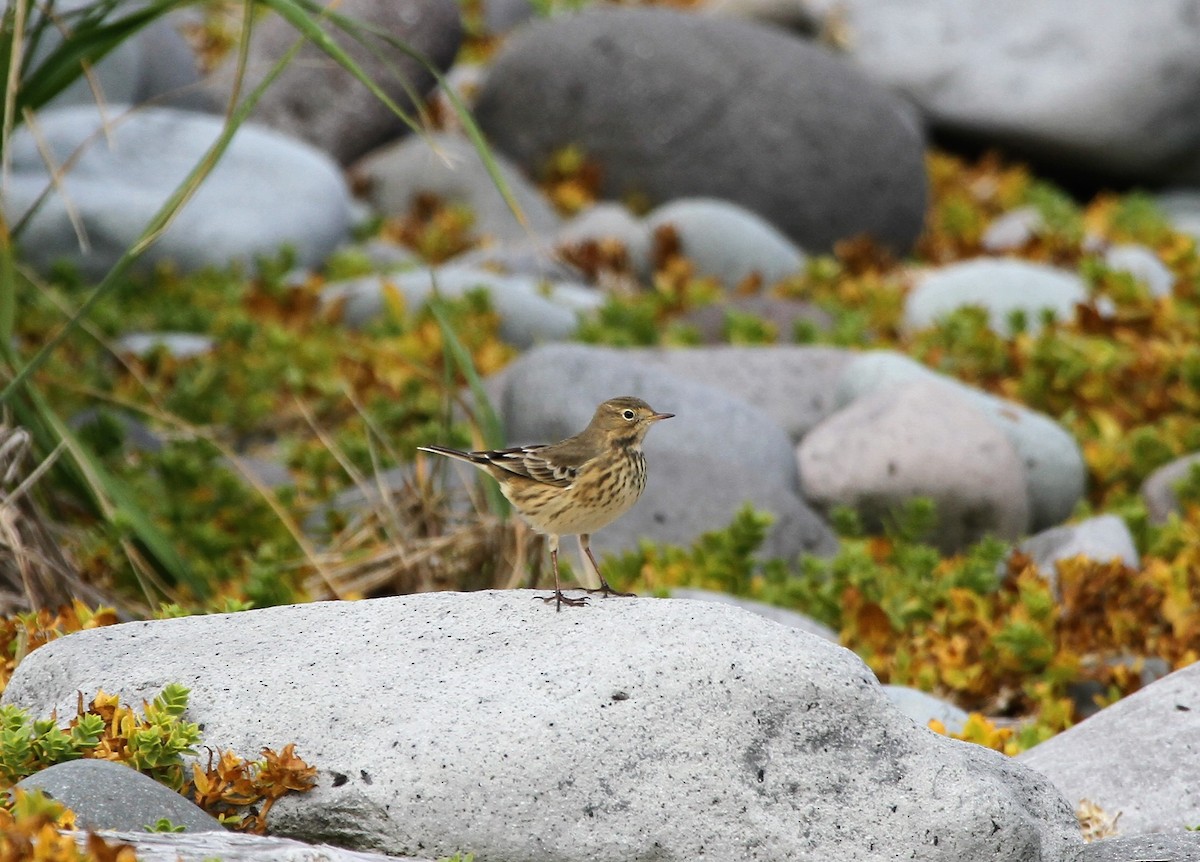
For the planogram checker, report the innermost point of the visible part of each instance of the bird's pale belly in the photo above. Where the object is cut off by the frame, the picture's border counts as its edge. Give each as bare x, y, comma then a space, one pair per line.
592, 502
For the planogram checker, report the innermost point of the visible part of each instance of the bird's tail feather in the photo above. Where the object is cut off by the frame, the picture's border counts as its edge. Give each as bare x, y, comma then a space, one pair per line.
469, 457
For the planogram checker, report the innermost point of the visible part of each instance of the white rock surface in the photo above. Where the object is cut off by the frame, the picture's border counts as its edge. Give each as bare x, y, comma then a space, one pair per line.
1136, 757
232, 847
770, 612
629, 729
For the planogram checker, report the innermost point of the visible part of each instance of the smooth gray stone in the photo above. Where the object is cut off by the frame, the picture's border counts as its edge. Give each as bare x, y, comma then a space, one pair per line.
922, 707
500, 16
1181, 206
920, 439
1000, 286
1134, 757
712, 321
487, 723
449, 167
533, 260
1158, 491
1103, 539
1144, 265
115, 76
727, 241
106, 795
610, 221
267, 191
1100, 86
1013, 229
181, 345
671, 105
1054, 469
316, 100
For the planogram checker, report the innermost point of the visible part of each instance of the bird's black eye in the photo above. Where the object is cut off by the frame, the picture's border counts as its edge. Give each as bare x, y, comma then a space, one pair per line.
628, 414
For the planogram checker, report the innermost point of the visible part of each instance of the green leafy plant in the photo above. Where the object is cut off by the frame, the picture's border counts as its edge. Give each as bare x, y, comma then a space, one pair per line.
81, 37
156, 744
164, 824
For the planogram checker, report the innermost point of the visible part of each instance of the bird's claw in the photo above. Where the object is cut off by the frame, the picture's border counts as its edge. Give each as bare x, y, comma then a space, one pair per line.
560, 599
609, 591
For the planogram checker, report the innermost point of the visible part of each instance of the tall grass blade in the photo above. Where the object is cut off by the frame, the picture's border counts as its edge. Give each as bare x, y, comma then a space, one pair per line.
489, 423
110, 497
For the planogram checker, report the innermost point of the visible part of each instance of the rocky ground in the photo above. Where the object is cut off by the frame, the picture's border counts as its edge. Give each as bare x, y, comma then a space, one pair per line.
761, 134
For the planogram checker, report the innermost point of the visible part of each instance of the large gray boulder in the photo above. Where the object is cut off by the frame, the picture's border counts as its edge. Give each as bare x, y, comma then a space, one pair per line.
267, 191
675, 105
487, 723
1101, 85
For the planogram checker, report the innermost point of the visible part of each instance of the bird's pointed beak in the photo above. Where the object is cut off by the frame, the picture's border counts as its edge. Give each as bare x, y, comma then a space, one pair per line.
658, 417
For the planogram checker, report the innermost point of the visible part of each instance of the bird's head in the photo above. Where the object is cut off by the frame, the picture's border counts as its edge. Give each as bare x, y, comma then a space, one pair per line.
625, 417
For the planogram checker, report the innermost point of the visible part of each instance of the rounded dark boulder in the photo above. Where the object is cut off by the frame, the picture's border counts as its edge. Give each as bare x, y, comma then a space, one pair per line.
670, 104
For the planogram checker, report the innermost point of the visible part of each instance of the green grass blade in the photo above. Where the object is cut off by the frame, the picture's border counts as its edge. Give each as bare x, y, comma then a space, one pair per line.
88, 42
110, 497
305, 22
489, 423
301, 14
157, 224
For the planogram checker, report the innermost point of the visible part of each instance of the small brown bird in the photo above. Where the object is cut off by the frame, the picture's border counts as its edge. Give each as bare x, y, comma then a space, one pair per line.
577, 486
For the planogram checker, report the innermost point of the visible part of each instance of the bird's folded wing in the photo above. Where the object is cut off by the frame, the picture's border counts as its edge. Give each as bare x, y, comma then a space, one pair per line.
534, 462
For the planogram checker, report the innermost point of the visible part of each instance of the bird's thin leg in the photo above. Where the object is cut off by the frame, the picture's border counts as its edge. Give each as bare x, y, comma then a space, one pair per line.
558, 598
585, 546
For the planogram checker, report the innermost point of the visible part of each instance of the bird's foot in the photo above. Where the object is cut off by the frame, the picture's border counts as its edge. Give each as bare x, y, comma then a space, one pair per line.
609, 591
560, 600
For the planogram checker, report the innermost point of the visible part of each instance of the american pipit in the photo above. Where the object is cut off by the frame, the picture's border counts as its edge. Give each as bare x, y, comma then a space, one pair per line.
578, 485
